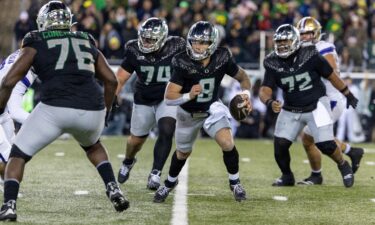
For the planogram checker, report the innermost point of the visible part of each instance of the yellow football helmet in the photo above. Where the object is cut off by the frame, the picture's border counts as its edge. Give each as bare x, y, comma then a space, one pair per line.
309, 24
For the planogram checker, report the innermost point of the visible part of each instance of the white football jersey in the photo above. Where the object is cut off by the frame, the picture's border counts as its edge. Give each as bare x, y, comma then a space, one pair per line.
14, 105
325, 48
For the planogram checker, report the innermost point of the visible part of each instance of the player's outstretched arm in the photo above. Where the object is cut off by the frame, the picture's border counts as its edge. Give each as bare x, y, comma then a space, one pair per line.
122, 77
173, 96
245, 83
106, 75
18, 70
340, 85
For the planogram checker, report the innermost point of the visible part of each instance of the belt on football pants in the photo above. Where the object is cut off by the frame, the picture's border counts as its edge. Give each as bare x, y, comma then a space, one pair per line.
304, 109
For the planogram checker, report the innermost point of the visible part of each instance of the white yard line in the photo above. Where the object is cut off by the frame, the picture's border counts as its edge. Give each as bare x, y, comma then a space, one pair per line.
180, 210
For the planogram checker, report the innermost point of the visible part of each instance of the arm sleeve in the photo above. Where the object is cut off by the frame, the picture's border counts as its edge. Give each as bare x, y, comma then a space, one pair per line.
323, 67
14, 104
231, 67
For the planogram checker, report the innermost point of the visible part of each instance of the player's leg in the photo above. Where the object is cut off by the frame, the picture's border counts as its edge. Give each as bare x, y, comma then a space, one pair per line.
324, 139
166, 117
338, 105
86, 129
4, 151
355, 154
143, 119
288, 125
187, 130
26, 145
314, 157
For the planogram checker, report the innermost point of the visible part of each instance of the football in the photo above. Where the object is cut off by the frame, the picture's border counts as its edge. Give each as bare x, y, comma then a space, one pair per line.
237, 108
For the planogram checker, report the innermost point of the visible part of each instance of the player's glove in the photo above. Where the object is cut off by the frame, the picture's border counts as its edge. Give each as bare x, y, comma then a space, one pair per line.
351, 100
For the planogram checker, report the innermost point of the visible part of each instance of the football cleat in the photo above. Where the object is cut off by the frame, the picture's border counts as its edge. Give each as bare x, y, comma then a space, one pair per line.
312, 180
284, 180
123, 173
347, 174
239, 192
355, 155
116, 196
8, 211
153, 181
163, 191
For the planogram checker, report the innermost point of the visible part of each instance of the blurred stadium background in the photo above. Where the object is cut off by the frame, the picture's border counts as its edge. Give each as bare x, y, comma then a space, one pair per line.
246, 27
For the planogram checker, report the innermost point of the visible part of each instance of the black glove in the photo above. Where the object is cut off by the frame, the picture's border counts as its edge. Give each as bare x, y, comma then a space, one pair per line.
351, 100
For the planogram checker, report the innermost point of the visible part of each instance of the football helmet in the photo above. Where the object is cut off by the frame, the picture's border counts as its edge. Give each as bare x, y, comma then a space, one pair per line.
54, 15
203, 32
286, 40
309, 24
152, 35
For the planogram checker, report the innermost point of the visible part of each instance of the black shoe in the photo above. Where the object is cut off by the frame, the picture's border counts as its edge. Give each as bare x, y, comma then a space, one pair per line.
163, 191
356, 155
312, 180
153, 181
116, 196
347, 174
239, 192
8, 211
123, 173
284, 180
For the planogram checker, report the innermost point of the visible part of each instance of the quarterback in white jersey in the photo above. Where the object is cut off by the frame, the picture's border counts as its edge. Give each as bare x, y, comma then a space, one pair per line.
14, 110
310, 31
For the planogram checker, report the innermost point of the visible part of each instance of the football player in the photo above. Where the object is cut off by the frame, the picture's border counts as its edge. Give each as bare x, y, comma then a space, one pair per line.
297, 71
197, 74
310, 31
13, 110
67, 63
149, 56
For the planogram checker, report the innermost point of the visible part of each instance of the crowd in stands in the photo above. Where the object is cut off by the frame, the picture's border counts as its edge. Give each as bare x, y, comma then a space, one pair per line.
350, 24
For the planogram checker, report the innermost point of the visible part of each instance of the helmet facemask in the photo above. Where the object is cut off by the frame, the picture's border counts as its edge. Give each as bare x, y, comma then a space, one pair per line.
152, 35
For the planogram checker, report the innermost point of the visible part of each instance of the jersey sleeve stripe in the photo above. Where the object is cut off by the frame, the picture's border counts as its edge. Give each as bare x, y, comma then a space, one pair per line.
326, 50
26, 82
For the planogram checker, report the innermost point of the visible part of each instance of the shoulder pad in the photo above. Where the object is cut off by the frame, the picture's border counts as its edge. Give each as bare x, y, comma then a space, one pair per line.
131, 45
177, 41
306, 53
325, 47
92, 40
223, 54
181, 60
31, 37
270, 61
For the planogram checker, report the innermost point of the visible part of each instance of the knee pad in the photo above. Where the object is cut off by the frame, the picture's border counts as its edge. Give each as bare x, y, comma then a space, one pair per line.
86, 149
15, 152
281, 146
327, 147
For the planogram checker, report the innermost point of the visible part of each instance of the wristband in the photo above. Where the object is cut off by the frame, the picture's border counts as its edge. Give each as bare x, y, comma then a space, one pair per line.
186, 97
269, 102
344, 89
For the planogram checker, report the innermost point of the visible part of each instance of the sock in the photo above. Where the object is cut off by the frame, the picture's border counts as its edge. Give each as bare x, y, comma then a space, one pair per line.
106, 172
316, 173
234, 179
347, 149
128, 161
11, 188
282, 155
231, 160
176, 165
163, 145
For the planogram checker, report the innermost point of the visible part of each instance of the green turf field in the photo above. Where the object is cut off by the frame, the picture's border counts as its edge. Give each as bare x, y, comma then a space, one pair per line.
50, 182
